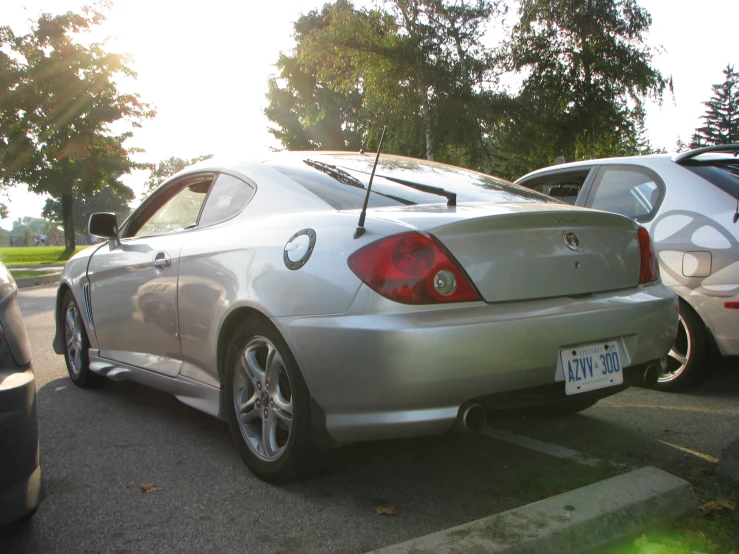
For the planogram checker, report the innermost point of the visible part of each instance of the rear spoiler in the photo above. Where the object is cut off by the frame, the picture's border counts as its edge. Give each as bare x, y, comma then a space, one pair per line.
727, 148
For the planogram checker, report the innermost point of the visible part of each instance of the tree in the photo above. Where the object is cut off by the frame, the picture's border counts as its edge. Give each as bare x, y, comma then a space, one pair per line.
167, 168
417, 67
66, 101
721, 120
105, 200
586, 71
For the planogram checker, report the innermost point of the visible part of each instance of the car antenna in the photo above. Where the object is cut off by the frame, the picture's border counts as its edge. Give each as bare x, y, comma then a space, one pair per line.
360, 226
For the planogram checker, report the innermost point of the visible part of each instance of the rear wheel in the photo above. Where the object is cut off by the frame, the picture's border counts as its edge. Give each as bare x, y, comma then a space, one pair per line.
687, 362
76, 343
267, 403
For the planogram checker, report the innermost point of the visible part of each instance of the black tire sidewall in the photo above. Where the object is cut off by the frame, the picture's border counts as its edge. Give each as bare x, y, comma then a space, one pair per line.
299, 446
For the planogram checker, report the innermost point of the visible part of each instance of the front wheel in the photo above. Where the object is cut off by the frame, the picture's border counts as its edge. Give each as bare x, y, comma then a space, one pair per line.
687, 362
76, 343
267, 403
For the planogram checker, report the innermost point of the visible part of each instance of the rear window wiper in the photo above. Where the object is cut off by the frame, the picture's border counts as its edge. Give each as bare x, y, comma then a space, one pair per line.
450, 196
344, 177
336, 173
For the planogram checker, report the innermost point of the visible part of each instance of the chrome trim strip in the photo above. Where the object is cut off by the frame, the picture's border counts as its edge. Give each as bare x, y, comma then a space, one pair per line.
87, 301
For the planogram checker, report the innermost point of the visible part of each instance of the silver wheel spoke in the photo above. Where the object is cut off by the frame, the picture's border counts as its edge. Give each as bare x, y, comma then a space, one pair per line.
269, 436
281, 405
678, 356
251, 368
249, 404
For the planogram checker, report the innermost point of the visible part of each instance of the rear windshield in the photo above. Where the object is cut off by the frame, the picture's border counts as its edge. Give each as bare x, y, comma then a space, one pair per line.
469, 186
722, 173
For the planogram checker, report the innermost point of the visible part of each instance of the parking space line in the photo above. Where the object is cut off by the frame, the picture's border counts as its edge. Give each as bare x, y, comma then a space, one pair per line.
540, 446
696, 453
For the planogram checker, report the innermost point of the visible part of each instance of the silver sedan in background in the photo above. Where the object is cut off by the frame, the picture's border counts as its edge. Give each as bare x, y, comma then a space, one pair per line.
261, 293
690, 204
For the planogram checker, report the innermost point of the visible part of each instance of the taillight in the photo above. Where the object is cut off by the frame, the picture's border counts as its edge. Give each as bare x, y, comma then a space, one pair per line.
412, 268
649, 269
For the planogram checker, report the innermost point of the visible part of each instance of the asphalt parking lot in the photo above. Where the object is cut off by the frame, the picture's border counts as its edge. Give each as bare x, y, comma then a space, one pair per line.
99, 446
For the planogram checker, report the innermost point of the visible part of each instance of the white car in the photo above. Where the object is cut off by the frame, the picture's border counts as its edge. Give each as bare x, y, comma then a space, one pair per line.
690, 204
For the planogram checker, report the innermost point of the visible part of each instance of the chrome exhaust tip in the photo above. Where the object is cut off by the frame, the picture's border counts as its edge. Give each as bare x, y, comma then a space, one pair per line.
651, 374
473, 418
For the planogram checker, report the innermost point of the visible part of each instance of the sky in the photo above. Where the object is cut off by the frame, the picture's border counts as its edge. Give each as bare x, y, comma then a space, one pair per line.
204, 67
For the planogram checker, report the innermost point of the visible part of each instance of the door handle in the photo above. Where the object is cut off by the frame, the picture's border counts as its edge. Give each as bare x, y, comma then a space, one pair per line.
162, 260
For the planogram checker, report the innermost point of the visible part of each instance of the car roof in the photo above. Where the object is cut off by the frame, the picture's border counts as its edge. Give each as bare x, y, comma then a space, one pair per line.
708, 154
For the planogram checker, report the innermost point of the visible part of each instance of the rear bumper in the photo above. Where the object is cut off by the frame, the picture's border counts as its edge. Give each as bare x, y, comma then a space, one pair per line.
722, 322
384, 370
20, 475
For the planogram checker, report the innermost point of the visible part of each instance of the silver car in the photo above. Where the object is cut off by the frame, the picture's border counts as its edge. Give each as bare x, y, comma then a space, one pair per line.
263, 294
690, 204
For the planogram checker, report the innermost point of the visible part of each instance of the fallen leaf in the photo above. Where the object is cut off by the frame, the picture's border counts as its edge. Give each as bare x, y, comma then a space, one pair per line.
725, 503
386, 510
710, 472
709, 508
150, 487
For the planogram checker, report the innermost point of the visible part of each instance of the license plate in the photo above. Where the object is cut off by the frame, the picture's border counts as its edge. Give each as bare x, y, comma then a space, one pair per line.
591, 366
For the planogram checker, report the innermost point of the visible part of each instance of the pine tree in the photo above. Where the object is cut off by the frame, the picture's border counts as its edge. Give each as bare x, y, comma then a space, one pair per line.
721, 120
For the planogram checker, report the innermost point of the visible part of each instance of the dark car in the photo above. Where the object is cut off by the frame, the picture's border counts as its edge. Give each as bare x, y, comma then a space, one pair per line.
20, 473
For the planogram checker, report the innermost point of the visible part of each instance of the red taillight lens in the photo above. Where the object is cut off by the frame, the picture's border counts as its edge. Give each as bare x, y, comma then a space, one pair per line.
649, 270
412, 268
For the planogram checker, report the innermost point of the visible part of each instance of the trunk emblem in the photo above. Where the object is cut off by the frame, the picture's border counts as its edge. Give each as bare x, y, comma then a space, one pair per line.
571, 240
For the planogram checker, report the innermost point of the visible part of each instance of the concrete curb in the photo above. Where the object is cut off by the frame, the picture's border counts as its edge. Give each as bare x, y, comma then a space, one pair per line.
728, 464
25, 282
582, 520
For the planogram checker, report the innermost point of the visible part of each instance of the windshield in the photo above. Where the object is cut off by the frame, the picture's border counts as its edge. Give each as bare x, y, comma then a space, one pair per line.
469, 186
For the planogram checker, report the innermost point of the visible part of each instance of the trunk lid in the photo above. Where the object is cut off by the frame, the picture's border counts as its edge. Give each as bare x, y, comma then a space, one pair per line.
526, 251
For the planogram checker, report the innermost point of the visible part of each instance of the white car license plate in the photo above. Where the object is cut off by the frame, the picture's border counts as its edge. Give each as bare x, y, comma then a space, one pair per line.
591, 366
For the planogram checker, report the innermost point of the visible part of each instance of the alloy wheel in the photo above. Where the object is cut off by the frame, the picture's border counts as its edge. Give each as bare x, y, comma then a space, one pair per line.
262, 397
679, 356
73, 338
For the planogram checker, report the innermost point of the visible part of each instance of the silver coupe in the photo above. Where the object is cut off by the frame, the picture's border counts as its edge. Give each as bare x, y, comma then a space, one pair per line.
282, 297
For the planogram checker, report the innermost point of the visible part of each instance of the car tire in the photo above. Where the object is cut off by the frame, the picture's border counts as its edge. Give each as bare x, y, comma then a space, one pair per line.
687, 362
267, 404
565, 407
76, 344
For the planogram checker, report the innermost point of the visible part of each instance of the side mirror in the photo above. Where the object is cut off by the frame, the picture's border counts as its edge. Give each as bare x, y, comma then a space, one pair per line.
103, 225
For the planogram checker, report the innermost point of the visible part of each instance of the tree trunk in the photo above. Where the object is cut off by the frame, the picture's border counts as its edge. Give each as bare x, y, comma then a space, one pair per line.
68, 221
428, 126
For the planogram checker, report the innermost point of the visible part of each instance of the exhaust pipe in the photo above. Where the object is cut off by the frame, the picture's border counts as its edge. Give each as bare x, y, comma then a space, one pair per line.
651, 374
473, 418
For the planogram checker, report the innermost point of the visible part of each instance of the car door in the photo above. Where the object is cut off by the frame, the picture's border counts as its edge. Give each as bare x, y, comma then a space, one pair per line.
134, 283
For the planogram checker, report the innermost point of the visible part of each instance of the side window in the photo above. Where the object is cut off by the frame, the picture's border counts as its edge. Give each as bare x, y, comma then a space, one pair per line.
562, 185
228, 196
631, 191
175, 208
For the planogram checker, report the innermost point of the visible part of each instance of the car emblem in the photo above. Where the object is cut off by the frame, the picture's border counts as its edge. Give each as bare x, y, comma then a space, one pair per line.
571, 240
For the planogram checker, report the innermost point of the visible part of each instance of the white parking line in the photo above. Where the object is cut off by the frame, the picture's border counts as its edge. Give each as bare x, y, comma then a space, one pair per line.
540, 446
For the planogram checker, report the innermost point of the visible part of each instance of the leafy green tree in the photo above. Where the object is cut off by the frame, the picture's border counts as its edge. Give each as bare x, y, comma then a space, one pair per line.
721, 120
586, 71
66, 101
168, 167
105, 200
416, 66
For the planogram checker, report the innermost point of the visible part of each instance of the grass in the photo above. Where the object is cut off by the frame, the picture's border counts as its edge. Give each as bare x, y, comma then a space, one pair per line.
716, 532
36, 255
20, 274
